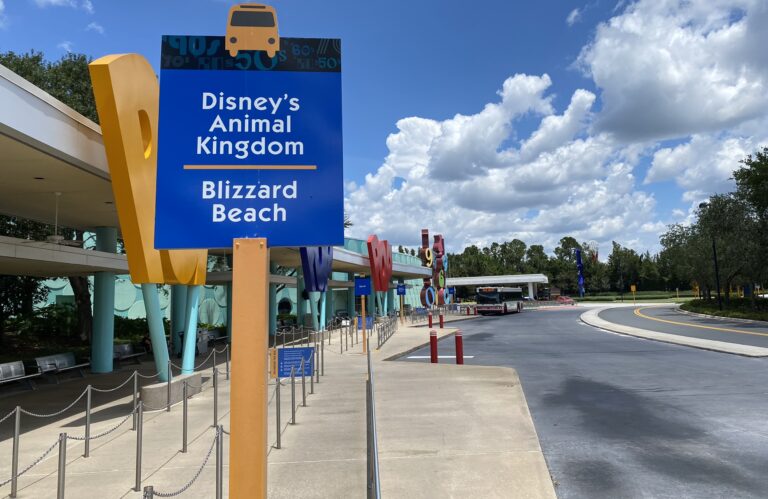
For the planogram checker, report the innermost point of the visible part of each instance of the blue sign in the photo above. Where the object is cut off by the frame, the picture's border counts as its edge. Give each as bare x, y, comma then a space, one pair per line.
452, 291
249, 146
368, 322
362, 286
288, 358
401, 289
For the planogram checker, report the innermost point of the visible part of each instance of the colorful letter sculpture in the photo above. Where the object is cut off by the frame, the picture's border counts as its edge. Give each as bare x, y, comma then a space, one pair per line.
434, 291
380, 256
316, 262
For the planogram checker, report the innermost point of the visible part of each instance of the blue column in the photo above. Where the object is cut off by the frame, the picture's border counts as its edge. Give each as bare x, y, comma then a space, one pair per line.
314, 296
299, 299
272, 302
103, 338
229, 312
156, 331
190, 330
178, 313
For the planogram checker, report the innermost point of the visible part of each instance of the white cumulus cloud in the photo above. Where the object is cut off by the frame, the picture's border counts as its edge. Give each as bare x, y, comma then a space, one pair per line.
66, 46
3, 18
671, 68
573, 17
96, 27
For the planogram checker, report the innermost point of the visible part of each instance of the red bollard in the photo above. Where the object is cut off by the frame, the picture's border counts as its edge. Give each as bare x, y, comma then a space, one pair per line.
433, 346
459, 347
442, 322
429, 316
469, 311
475, 310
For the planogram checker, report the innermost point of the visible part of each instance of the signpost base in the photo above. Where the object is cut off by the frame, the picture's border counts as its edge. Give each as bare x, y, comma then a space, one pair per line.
248, 417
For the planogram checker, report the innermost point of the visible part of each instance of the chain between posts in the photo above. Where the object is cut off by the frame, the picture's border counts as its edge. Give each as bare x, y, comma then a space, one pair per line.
106, 432
35, 415
150, 492
34, 463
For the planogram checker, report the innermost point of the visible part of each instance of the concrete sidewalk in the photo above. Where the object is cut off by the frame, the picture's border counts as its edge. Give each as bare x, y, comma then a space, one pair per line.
444, 431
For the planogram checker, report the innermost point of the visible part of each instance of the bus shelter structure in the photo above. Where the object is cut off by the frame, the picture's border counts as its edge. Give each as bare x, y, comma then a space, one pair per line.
53, 169
529, 280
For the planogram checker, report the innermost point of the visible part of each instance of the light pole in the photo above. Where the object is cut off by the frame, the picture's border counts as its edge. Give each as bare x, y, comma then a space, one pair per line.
714, 257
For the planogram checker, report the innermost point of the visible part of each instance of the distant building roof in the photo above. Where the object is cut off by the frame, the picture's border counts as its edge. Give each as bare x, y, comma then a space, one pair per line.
497, 279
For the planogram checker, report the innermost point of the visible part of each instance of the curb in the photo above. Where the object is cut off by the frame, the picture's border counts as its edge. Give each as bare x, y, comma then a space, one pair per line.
417, 347
734, 319
592, 318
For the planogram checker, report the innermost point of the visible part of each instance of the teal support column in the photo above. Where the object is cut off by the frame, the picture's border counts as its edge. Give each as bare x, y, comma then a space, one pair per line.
178, 314
391, 301
229, 312
329, 307
299, 298
156, 330
323, 314
351, 296
103, 338
272, 302
314, 296
371, 304
190, 330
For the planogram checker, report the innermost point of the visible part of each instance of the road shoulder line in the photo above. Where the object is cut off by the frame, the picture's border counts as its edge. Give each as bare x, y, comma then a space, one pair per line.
708, 316
592, 318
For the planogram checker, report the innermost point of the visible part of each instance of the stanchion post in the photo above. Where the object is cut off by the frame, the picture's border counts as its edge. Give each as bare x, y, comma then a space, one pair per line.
214, 356
459, 347
170, 379
303, 384
322, 358
139, 431
429, 318
87, 449
433, 346
293, 395
219, 462
227, 359
62, 478
15, 457
184, 394
215, 397
277, 410
316, 364
149, 492
135, 397
442, 320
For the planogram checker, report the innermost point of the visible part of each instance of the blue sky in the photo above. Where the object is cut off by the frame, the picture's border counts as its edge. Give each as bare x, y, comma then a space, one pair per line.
620, 166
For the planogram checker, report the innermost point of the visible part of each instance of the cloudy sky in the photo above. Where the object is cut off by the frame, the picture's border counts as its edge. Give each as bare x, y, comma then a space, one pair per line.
490, 120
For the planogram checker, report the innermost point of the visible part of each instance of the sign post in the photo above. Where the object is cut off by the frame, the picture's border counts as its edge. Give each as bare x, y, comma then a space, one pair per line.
401, 293
633, 288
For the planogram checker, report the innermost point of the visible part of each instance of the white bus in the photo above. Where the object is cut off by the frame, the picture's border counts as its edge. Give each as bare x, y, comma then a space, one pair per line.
499, 300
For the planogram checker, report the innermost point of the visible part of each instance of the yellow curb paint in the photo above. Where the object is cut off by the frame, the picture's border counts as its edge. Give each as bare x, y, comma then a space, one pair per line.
639, 313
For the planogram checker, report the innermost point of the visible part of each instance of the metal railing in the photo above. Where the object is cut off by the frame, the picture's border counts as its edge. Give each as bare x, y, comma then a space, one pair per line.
385, 328
136, 414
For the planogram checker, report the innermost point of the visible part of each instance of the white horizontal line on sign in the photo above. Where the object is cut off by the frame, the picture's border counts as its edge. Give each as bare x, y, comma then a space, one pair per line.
439, 357
250, 167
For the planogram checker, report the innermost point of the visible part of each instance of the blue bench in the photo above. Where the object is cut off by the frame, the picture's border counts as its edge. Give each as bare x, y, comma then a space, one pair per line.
15, 371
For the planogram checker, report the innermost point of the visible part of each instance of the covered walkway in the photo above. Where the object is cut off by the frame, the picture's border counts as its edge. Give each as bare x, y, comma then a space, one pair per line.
530, 280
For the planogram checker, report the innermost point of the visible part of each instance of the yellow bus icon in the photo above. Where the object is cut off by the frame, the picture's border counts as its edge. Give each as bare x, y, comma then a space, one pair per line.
252, 26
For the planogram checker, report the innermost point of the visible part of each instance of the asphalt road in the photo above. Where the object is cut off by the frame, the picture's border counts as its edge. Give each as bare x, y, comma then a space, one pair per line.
623, 417
666, 319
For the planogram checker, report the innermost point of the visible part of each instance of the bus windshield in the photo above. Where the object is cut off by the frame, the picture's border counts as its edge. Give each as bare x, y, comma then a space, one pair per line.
253, 19
488, 297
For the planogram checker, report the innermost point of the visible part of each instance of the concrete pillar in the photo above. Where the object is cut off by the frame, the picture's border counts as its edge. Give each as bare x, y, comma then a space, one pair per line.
314, 296
178, 314
531, 291
103, 338
392, 302
229, 312
190, 330
156, 330
299, 298
272, 301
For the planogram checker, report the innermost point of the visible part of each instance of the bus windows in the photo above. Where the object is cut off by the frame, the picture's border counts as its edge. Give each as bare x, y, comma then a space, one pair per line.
252, 27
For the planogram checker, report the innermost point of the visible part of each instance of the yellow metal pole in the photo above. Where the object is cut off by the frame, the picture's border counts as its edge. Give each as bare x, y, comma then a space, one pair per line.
402, 314
248, 389
365, 337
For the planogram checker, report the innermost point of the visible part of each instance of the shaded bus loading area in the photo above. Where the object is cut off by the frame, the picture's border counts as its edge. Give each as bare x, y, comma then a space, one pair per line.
54, 170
